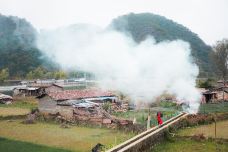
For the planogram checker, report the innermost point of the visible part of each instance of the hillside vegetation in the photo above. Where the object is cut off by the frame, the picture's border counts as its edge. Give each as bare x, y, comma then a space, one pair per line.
17, 46
18, 51
140, 26
20, 55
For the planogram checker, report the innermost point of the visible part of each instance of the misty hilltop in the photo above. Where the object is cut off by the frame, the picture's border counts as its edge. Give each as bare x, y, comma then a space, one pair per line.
18, 50
20, 54
142, 25
17, 45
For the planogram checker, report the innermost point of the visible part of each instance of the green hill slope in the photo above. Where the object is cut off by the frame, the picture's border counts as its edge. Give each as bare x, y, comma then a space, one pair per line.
139, 26
17, 46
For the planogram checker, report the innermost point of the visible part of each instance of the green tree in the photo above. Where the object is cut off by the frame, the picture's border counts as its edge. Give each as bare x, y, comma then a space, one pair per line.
38, 73
60, 75
206, 83
221, 58
4, 74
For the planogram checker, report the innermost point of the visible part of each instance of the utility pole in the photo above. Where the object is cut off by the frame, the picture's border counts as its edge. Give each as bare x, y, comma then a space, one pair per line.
148, 120
215, 127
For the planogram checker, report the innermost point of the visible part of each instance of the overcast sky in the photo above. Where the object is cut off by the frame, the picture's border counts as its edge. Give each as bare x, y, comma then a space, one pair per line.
207, 18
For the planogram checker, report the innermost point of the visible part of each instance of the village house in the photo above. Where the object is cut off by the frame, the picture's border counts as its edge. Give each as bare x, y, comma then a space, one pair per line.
221, 83
79, 105
5, 99
214, 94
219, 91
36, 89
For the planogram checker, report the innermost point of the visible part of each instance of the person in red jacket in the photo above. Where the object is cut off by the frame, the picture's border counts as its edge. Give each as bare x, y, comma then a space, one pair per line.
159, 118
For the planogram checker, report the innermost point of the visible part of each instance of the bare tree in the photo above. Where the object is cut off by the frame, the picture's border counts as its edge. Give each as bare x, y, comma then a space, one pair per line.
221, 58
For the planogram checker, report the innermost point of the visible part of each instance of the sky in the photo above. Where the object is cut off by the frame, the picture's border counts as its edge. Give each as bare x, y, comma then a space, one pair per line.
207, 18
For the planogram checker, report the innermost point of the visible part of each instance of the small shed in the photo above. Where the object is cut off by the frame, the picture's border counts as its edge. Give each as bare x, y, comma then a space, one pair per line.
28, 91
209, 96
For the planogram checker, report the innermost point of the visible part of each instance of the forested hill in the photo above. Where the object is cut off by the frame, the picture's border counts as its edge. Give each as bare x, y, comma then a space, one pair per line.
161, 28
20, 55
18, 51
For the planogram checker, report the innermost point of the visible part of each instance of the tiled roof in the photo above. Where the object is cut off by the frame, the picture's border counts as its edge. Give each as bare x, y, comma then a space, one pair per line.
79, 94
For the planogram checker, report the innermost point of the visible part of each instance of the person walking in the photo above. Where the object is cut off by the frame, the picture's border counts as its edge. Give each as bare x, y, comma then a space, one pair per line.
159, 118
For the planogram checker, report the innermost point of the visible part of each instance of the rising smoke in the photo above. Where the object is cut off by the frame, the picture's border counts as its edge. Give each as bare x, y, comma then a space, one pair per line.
144, 70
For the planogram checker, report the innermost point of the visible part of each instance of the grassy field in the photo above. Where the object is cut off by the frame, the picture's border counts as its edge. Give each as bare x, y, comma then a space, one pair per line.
213, 108
188, 145
21, 102
208, 130
20, 106
8, 145
73, 138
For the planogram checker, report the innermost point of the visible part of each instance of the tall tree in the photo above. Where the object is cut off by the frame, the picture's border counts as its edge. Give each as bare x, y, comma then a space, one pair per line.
4, 74
221, 59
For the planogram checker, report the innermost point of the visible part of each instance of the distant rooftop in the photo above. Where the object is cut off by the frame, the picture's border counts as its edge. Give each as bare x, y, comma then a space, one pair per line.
79, 94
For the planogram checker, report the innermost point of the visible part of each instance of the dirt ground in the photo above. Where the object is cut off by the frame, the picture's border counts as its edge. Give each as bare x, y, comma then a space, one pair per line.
13, 111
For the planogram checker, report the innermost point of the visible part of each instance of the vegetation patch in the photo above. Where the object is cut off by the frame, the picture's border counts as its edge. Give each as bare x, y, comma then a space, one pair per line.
189, 145
22, 102
213, 108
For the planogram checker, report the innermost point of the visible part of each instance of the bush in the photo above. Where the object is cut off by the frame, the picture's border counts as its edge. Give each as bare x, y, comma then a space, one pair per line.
198, 137
34, 110
106, 106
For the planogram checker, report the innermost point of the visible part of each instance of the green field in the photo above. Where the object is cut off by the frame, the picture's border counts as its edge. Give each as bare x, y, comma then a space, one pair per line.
213, 108
22, 102
8, 145
188, 145
73, 138
20, 107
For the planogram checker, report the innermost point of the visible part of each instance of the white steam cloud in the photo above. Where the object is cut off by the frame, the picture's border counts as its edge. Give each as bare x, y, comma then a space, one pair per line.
144, 70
